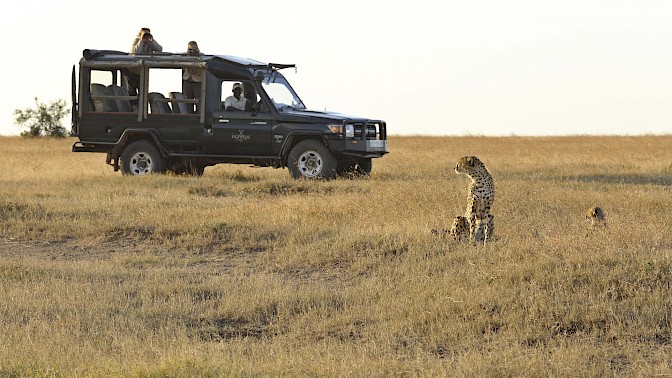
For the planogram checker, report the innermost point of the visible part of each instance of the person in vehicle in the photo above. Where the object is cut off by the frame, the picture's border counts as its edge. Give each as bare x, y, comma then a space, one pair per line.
192, 77
145, 44
138, 37
237, 101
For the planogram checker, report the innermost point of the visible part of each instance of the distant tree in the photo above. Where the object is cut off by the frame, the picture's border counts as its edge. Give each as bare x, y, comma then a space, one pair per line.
43, 120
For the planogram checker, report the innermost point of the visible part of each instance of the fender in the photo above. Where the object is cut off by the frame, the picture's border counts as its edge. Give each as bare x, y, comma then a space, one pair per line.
298, 135
132, 134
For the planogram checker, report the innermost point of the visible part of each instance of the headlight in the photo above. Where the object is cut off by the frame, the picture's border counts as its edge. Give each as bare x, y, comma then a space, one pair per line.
349, 131
338, 129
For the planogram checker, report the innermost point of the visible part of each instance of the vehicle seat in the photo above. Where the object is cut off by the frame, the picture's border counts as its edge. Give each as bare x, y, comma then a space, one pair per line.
158, 103
178, 107
122, 105
99, 104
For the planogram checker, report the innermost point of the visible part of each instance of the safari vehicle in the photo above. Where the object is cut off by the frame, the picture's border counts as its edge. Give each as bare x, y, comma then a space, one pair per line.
167, 132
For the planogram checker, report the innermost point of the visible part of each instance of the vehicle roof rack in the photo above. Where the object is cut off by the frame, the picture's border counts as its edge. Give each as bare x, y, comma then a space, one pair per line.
89, 54
92, 54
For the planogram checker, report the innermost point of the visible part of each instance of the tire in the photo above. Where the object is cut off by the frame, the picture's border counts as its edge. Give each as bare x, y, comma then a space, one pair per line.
355, 168
142, 158
188, 167
196, 171
364, 167
311, 159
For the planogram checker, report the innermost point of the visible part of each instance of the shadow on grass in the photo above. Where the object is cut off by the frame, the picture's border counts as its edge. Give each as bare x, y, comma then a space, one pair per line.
663, 179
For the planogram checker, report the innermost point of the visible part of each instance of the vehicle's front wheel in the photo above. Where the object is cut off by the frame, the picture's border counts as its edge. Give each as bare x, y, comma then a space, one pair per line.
364, 166
311, 159
142, 158
355, 168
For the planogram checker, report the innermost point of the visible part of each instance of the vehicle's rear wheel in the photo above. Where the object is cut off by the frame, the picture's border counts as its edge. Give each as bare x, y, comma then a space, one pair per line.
196, 170
189, 167
142, 158
311, 159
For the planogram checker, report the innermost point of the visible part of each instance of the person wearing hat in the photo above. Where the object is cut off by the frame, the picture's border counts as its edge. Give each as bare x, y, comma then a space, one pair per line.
237, 101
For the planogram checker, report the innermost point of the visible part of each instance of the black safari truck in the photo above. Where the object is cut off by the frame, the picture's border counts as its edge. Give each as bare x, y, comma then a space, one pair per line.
157, 129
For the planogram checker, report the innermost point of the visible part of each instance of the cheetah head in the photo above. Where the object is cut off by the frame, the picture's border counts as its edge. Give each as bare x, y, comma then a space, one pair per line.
467, 164
595, 213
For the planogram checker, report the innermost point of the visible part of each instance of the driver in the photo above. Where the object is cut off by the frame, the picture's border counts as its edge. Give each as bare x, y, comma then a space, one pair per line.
237, 101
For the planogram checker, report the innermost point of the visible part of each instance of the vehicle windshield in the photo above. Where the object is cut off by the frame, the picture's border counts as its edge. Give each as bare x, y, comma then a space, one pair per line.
282, 94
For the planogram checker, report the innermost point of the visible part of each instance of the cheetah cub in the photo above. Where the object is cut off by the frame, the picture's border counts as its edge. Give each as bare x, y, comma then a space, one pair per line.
480, 197
460, 229
596, 217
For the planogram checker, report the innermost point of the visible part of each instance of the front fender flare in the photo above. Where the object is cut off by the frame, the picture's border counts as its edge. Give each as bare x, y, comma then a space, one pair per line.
294, 137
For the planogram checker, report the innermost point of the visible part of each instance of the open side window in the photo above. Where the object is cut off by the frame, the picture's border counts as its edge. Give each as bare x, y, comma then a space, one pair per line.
249, 98
168, 93
107, 93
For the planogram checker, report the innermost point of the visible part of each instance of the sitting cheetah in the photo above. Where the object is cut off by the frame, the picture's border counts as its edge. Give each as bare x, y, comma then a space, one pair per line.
480, 196
460, 229
597, 217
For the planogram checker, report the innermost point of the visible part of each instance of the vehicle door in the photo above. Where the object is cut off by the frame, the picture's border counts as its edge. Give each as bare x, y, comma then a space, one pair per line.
240, 133
176, 121
245, 132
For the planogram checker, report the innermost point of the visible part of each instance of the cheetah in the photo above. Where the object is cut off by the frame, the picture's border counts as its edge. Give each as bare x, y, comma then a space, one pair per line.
597, 217
480, 197
460, 229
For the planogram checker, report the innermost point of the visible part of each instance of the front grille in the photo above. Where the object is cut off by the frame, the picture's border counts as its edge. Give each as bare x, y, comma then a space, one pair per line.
370, 130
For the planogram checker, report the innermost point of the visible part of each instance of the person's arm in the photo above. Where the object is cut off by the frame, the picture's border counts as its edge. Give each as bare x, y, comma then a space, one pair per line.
228, 104
156, 47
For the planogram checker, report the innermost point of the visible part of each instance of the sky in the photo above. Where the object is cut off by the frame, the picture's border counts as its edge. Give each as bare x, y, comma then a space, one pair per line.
429, 67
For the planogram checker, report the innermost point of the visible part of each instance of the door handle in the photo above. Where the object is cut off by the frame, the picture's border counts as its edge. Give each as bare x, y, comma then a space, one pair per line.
258, 123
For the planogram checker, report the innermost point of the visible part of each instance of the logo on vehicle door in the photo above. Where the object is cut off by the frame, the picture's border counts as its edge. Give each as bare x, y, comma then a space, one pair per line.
240, 137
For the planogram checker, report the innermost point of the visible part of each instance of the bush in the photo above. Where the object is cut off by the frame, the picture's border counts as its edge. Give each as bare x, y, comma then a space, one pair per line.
43, 120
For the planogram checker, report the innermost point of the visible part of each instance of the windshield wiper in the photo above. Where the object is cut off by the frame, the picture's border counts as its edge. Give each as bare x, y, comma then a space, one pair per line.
290, 107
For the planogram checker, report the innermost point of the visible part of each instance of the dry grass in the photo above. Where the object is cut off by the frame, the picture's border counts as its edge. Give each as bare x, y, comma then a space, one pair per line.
246, 272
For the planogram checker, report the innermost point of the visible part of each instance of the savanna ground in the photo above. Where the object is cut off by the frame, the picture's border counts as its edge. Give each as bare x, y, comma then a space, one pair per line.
246, 272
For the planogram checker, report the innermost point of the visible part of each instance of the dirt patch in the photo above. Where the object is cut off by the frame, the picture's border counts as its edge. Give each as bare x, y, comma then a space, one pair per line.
63, 250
